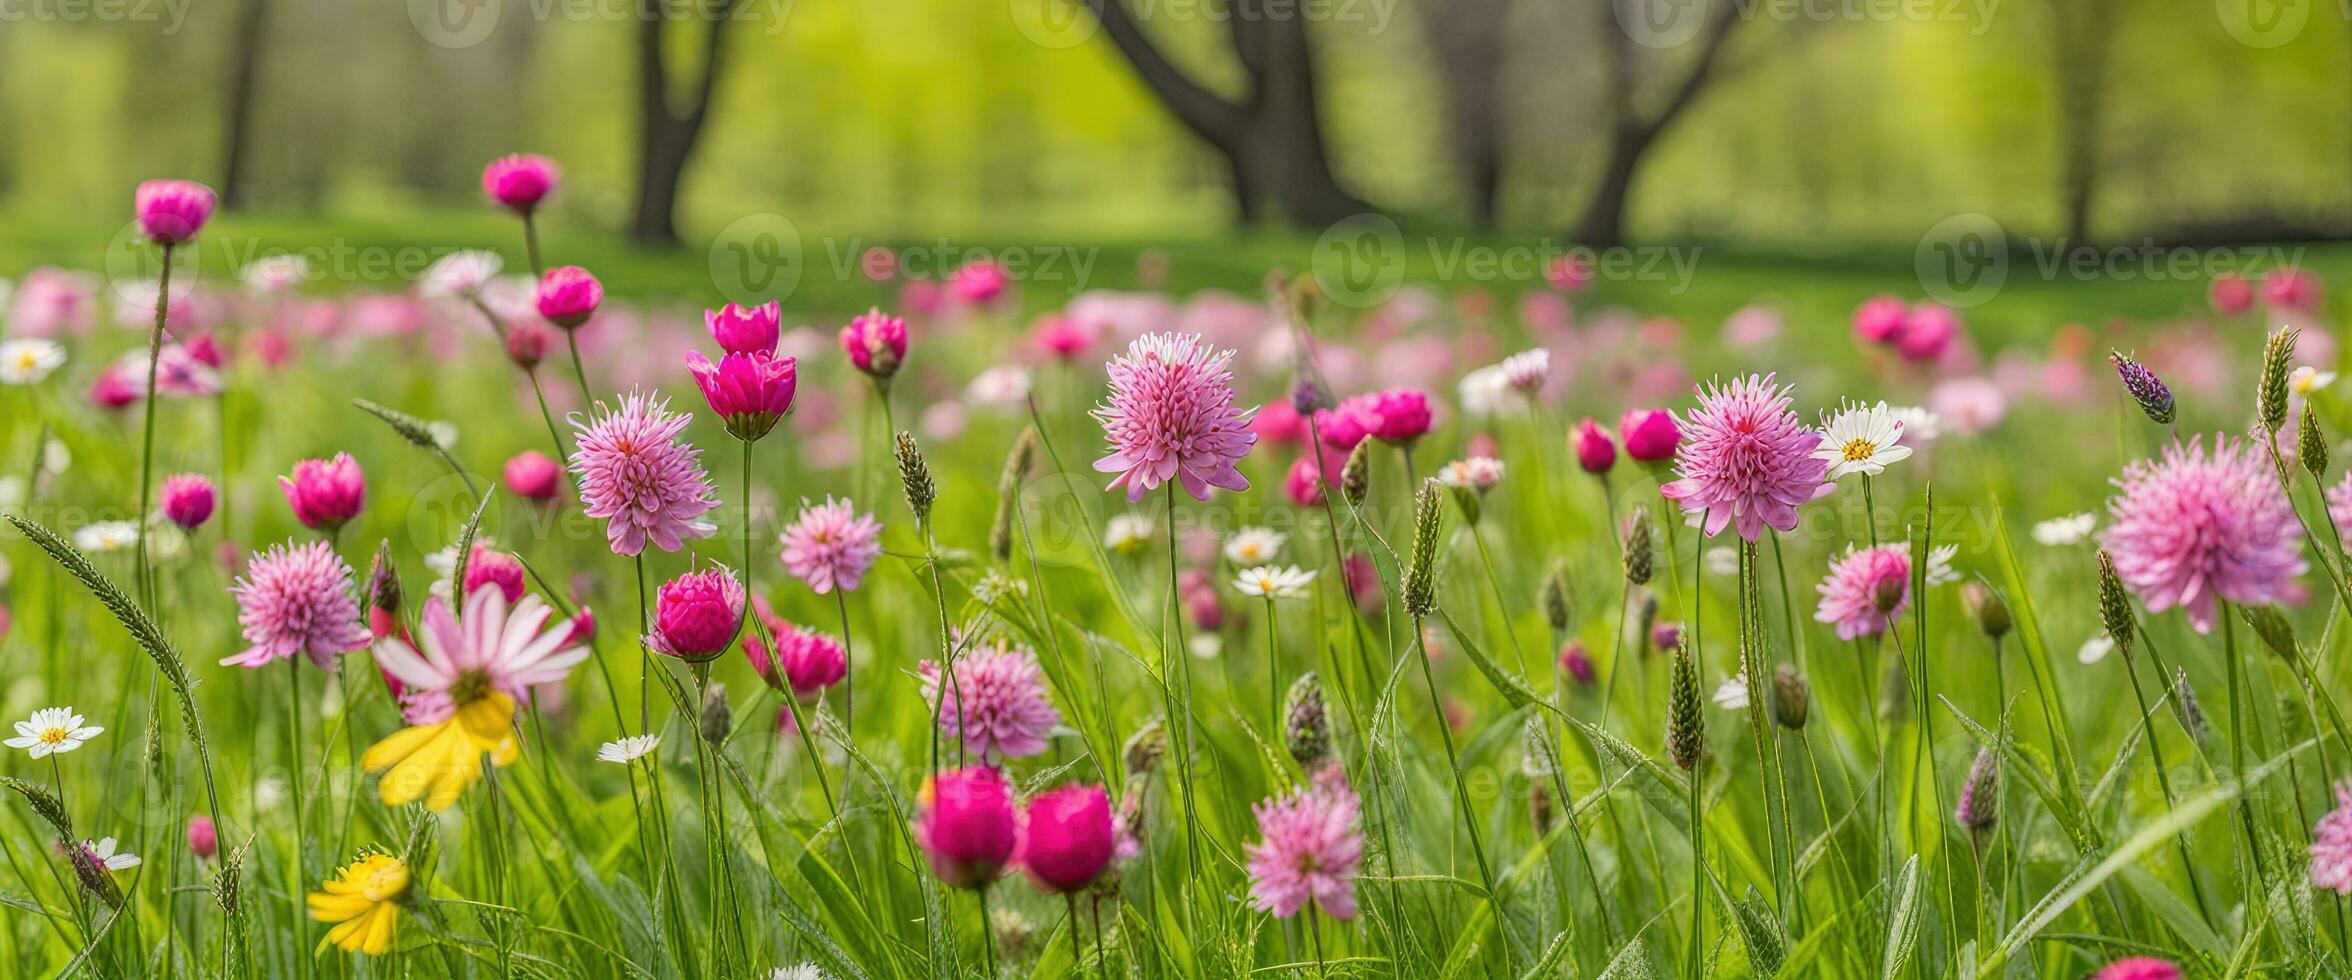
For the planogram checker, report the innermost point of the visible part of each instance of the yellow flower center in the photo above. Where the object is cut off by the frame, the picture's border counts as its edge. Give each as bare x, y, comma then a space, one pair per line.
1860, 449
55, 736
471, 686
26, 361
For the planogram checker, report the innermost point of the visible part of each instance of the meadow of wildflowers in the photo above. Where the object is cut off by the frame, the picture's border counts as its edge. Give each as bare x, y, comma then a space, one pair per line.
505, 626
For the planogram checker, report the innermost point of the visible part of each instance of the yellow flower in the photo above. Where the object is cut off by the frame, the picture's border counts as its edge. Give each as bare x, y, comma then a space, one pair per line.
363, 900
444, 758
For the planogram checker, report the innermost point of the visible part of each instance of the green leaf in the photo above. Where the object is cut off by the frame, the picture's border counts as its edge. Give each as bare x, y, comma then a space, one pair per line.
1902, 922
1513, 689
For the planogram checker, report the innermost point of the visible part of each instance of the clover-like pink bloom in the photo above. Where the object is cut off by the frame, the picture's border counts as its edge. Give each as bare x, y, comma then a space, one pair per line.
1170, 416
876, 342
568, 295
635, 474
187, 499
830, 545
804, 661
1397, 416
495, 569
1064, 337
533, 476
1308, 849
1749, 462
1850, 592
325, 493
173, 211
1650, 434
2139, 968
1569, 273
696, 615
746, 331
1066, 840
997, 703
297, 599
1594, 449
498, 647
203, 837
748, 392
2194, 527
519, 182
966, 825
2331, 845
1340, 427
1576, 663
1879, 320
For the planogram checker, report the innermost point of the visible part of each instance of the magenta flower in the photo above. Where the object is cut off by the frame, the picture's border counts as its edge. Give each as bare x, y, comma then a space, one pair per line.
745, 331
696, 615
187, 499
1594, 450
297, 599
830, 546
1850, 593
1650, 434
519, 182
171, 212
498, 647
1576, 663
997, 706
2139, 968
325, 493
804, 661
1927, 333
1063, 337
496, 569
526, 344
966, 825
2232, 294
1170, 416
1879, 320
1308, 850
533, 476
635, 473
1398, 416
876, 343
749, 392
1065, 840
979, 282
2195, 527
568, 296
203, 837
2291, 290
2331, 845
1339, 428
1750, 461
1304, 484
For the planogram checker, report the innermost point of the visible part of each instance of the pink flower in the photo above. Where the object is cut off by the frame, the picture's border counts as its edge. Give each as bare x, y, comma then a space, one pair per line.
187, 500
979, 282
749, 392
1569, 273
997, 702
297, 599
50, 302
1927, 333
804, 660
1650, 434
1879, 320
502, 648
634, 473
1363, 582
1576, 663
1304, 484
1970, 405
568, 296
740, 331
114, 388
2232, 294
171, 212
1398, 416
1340, 428
696, 615
1061, 336
830, 546
876, 342
526, 344
1279, 423
1594, 451
966, 825
1750, 461
519, 182
1065, 838
2291, 290
2193, 527
533, 476
1170, 416
2331, 845
2139, 968
2339, 501
325, 492
203, 837
492, 568
1308, 849
1850, 592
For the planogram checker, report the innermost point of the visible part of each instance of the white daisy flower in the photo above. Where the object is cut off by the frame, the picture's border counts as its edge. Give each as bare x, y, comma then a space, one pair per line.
459, 275
276, 273
1204, 646
1525, 371
1285, 582
1732, 695
628, 750
1479, 473
1919, 424
2095, 649
104, 536
103, 854
1939, 565
1003, 386
2307, 379
2058, 532
1254, 546
1487, 393
1128, 534
28, 360
1861, 440
52, 730
805, 971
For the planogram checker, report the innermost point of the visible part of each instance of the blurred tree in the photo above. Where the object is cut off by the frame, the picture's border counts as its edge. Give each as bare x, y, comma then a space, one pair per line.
1633, 132
245, 54
1467, 39
2081, 33
1272, 136
667, 130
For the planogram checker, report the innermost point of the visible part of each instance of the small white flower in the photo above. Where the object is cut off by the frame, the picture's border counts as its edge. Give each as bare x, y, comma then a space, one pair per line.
52, 730
1003, 386
2307, 379
1919, 424
1128, 534
1479, 473
1939, 565
104, 536
2095, 649
103, 854
276, 273
2058, 532
1861, 440
1285, 582
1732, 695
28, 360
459, 275
628, 750
55, 457
1525, 371
805, 971
444, 433
1487, 393
1721, 560
1205, 646
1253, 546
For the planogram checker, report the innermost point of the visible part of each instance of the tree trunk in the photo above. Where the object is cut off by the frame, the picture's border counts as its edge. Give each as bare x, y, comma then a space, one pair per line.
2080, 60
667, 134
244, 82
1631, 134
1467, 40
1604, 215
661, 167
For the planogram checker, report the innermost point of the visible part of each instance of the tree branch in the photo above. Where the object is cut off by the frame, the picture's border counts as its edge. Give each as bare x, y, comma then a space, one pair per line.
1200, 110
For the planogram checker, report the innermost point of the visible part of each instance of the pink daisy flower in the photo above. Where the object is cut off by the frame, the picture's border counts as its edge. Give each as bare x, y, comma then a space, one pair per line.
830, 546
497, 647
1170, 416
297, 599
2194, 527
1748, 460
1308, 850
998, 704
2339, 501
1850, 593
635, 474
2331, 845
2139, 968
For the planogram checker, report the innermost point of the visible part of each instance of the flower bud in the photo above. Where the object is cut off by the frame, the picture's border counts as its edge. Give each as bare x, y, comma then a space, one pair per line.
718, 718
1792, 698
914, 476
2311, 448
1638, 547
526, 345
1306, 728
568, 296
2115, 611
1355, 476
1555, 598
1992, 615
2145, 387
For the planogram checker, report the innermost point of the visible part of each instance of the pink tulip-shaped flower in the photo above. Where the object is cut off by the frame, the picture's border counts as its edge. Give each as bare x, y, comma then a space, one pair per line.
634, 473
187, 500
979, 282
2291, 290
325, 493
568, 296
1928, 332
1594, 450
1879, 320
1066, 840
876, 342
966, 826
748, 392
297, 599
533, 476
1170, 416
171, 212
1750, 460
2331, 845
495, 569
1304, 484
1651, 435
1308, 849
1398, 416
695, 615
519, 182
746, 331
2139, 968
830, 546
203, 837
2232, 294
2192, 528
996, 704
804, 661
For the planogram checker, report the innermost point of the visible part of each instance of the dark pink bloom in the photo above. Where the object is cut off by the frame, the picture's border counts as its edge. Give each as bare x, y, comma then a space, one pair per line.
568, 296
173, 211
1851, 591
583, 628
979, 282
297, 600
695, 615
1340, 428
1308, 849
533, 476
749, 392
2194, 527
2292, 290
966, 825
635, 474
325, 492
1594, 449
1065, 838
1927, 333
1199, 593
1170, 416
1304, 485
876, 342
996, 703
519, 182
526, 344
203, 837
2232, 294
1879, 320
187, 499
1363, 582
1576, 663
206, 351
1651, 434
1061, 336
804, 661
496, 569
1279, 423
741, 331
1750, 461
1569, 273
1398, 416
2331, 845
2139, 968
830, 546
1666, 636
114, 388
